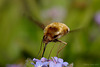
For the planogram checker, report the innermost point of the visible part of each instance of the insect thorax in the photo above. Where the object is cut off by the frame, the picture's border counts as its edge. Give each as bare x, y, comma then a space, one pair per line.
54, 31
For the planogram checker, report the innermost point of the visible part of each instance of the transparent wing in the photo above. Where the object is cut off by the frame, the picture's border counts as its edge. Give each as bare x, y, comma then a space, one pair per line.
76, 30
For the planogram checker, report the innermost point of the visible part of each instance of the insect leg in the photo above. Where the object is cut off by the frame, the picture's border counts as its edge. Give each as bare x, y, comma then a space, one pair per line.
51, 51
40, 49
62, 47
62, 41
58, 49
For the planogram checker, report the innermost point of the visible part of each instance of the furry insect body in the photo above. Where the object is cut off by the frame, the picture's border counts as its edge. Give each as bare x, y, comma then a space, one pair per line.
54, 31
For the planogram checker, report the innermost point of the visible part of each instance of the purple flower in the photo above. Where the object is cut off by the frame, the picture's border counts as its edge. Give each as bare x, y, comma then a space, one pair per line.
40, 63
97, 17
57, 62
54, 62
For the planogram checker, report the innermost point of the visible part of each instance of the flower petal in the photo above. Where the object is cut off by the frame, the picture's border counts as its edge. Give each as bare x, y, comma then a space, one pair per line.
65, 64
35, 60
60, 60
58, 65
51, 64
32, 63
43, 59
56, 59
45, 63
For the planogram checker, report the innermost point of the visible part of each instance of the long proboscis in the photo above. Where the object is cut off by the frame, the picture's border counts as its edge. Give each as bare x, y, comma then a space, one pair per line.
44, 49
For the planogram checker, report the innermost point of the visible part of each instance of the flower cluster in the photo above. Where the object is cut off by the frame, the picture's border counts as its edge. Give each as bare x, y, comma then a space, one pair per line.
54, 62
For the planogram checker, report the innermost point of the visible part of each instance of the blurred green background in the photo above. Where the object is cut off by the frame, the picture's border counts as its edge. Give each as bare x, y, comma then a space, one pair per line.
20, 38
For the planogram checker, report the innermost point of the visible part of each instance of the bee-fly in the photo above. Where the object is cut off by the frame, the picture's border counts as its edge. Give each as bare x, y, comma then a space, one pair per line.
54, 31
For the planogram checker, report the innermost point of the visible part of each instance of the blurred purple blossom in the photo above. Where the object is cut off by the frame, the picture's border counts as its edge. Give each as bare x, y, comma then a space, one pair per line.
54, 13
97, 17
54, 62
